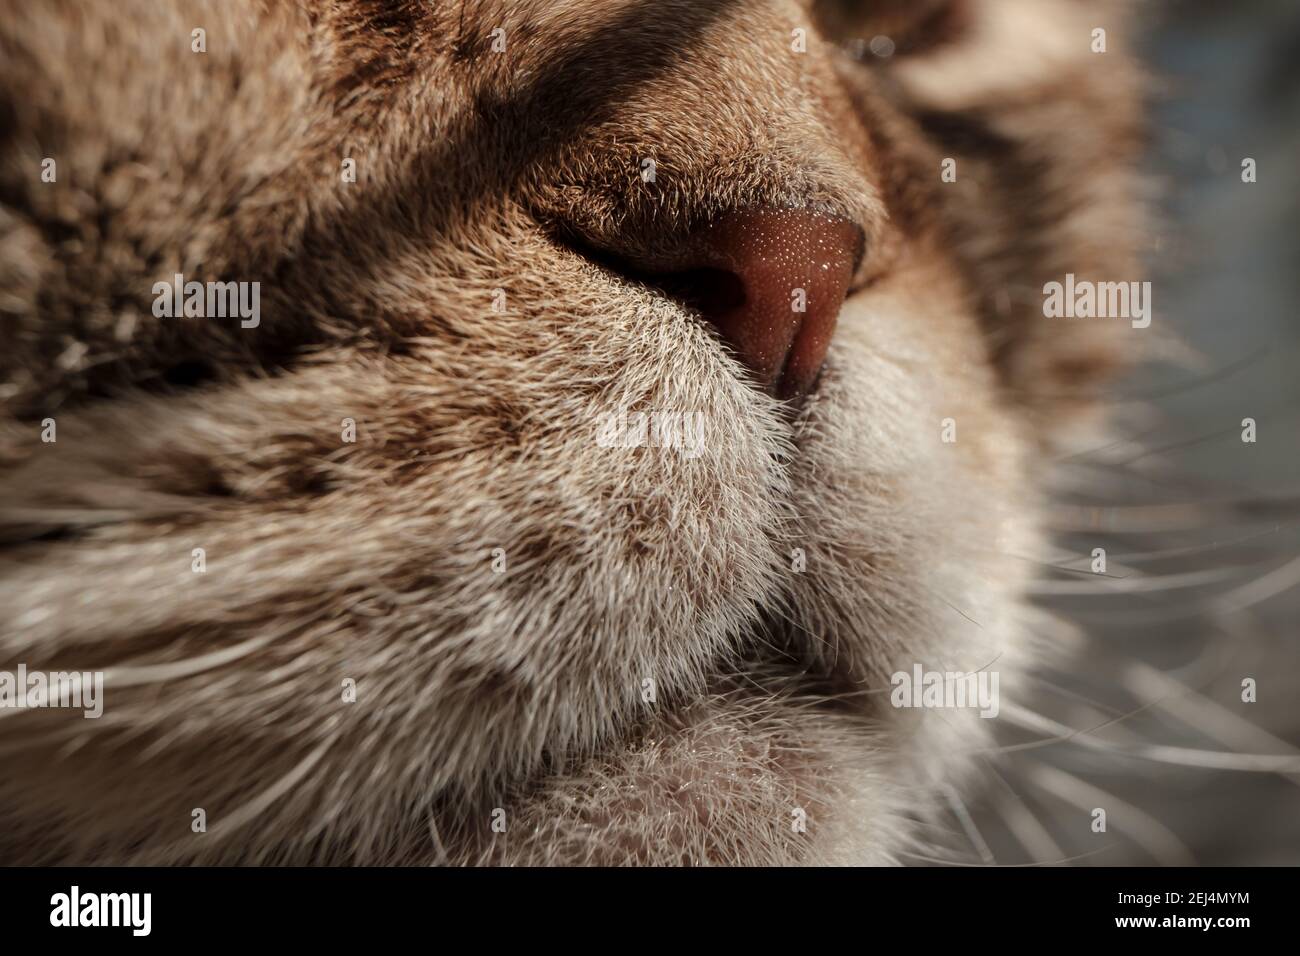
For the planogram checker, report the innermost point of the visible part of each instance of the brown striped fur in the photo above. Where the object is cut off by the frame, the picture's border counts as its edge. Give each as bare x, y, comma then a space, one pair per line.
480, 171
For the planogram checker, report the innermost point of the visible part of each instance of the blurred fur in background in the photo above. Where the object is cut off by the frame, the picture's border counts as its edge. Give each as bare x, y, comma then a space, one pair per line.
1200, 528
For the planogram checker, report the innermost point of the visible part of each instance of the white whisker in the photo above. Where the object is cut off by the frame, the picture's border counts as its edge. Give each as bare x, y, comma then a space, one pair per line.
1152, 835
1180, 756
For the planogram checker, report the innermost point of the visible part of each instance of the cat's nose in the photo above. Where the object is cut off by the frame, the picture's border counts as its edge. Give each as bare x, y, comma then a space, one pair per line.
772, 281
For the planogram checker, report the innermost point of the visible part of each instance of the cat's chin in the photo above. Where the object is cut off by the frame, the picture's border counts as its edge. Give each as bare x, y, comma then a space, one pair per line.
762, 769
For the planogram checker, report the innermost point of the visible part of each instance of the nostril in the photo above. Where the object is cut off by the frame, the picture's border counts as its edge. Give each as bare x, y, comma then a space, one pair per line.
711, 292
771, 281
708, 291
794, 269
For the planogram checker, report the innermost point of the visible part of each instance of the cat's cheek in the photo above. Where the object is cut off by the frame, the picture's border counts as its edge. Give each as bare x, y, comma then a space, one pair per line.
912, 486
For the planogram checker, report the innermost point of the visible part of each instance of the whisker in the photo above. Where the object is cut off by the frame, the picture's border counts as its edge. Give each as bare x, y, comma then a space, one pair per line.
1022, 821
254, 807
1176, 446
963, 816
1183, 516
1261, 589
1137, 583
1201, 712
1148, 832
1063, 734
1185, 550
159, 673
1076, 696
1216, 375
1178, 756
1011, 866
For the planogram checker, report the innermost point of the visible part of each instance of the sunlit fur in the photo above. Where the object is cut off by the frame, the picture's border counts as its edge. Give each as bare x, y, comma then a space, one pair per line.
477, 171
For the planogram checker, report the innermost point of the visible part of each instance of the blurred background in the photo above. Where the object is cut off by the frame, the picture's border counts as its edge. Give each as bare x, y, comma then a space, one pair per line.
1201, 530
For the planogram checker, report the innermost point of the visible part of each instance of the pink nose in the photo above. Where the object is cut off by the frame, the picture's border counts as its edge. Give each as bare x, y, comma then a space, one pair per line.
778, 277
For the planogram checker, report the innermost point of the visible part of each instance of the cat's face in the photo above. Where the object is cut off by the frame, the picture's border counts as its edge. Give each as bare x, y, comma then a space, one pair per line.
634, 389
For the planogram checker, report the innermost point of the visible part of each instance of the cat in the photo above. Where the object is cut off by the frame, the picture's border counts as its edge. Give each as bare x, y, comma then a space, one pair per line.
364, 581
